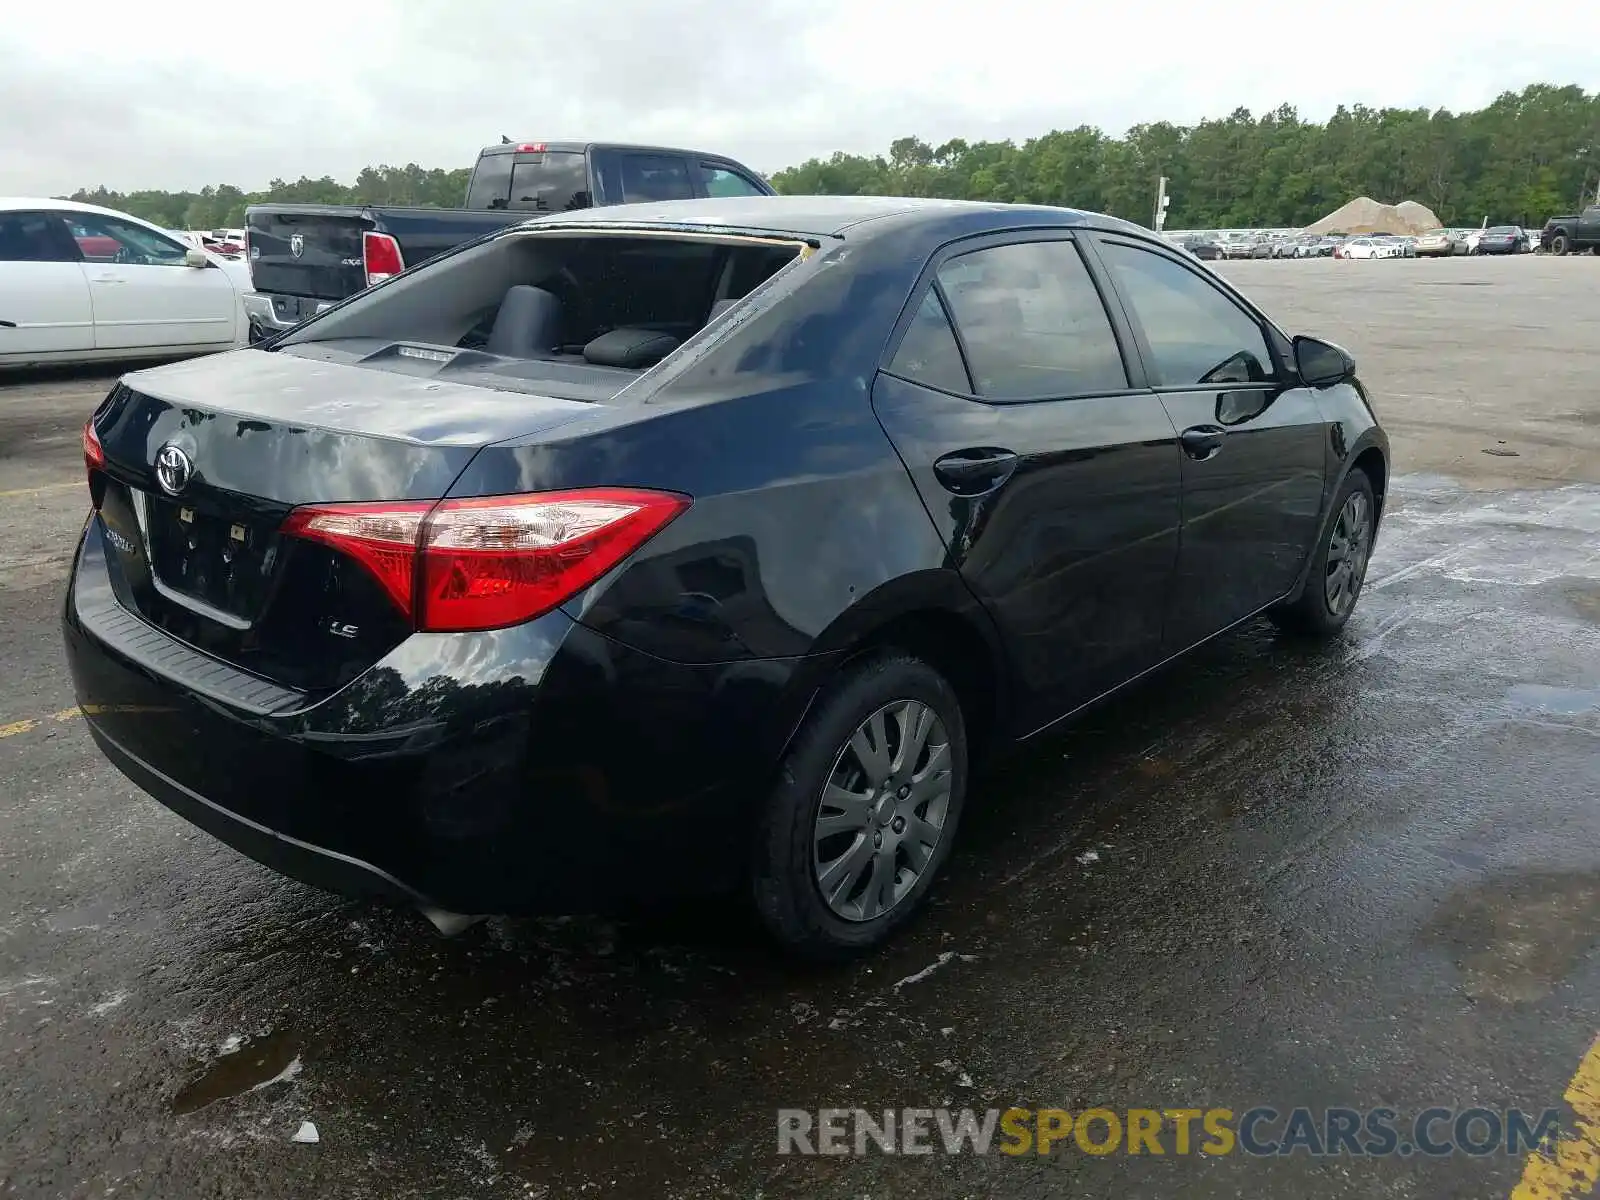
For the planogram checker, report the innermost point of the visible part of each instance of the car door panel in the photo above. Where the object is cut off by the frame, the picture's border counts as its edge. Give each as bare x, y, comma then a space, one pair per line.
44, 297
143, 293
1071, 540
1254, 440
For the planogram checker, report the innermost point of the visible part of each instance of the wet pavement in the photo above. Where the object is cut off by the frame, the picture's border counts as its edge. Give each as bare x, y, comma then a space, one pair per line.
1364, 873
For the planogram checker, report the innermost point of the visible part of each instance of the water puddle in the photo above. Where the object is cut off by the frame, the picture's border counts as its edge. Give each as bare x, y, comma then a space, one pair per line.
1516, 938
254, 1065
1562, 701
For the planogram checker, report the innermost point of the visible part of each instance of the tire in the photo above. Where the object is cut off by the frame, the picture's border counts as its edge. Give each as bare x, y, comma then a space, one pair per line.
791, 860
1316, 613
1560, 244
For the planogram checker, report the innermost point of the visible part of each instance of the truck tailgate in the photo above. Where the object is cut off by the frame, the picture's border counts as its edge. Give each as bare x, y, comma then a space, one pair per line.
307, 250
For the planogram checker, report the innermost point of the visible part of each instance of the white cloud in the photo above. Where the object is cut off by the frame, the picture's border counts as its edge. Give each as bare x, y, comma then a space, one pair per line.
179, 93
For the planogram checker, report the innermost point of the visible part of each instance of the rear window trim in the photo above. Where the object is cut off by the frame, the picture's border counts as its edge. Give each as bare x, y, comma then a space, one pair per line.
691, 232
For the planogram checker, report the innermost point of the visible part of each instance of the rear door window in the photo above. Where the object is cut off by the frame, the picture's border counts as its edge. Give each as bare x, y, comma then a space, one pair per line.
34, 237
1032, 322
555, 181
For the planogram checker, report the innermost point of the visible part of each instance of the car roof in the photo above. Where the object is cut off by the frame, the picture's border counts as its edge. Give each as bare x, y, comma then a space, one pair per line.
570, 147
31, 203
828, 216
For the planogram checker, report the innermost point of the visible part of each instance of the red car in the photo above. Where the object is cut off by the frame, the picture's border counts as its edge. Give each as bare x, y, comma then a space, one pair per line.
97, 247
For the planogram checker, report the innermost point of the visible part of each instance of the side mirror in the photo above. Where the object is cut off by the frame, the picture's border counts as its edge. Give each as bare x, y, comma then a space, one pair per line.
195, 258
1322, 364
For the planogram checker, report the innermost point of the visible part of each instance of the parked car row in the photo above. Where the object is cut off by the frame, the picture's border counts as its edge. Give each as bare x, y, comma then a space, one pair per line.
1436, 243
230, 243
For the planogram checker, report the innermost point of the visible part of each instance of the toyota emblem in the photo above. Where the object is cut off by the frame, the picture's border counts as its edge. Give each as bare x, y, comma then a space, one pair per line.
174, 469
297, 244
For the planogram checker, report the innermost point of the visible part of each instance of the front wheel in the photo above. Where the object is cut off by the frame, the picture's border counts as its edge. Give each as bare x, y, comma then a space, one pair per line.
864, 810
1338, 566
1559, 244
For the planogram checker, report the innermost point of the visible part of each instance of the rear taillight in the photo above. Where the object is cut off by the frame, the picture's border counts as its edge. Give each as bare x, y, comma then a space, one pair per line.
94, 454
380, 254
489, 562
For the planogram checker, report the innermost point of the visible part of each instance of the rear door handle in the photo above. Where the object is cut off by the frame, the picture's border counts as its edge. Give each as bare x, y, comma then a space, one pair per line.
1202, 441
975, 471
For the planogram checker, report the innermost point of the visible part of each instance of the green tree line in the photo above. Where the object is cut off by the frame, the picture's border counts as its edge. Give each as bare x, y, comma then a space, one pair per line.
1526, 156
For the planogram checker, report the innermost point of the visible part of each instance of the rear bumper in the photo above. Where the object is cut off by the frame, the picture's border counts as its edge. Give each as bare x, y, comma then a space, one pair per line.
545, 768
273, 313
316, 865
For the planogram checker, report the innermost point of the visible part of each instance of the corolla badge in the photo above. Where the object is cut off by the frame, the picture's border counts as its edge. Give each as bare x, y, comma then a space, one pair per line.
297, 244
174, 469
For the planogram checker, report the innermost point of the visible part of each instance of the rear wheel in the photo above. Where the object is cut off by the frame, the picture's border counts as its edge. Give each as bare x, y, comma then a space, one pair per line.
1339, 565
864, 811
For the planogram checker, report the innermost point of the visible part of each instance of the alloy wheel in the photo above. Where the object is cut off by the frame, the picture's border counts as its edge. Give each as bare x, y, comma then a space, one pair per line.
1349, 547
882, 811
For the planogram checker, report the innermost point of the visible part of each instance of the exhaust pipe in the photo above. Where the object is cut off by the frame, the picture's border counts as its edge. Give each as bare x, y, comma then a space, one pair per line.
448, 923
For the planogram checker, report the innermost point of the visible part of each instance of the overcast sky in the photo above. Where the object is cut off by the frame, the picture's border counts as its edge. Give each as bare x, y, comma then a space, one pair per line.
180, 93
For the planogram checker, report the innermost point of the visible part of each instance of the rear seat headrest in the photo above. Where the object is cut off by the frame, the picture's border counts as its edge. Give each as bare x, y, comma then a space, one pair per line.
528, 323
633, 348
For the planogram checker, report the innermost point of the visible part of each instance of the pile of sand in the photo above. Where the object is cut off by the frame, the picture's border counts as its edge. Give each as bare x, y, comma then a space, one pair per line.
1366, 215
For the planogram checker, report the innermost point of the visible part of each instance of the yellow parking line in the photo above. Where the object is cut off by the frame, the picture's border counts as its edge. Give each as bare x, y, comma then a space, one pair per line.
72, 714
48, 487
1572, 1167
95, 710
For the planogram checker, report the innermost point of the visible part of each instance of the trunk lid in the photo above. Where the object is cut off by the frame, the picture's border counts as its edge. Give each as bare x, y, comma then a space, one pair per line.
195, 547
307, 249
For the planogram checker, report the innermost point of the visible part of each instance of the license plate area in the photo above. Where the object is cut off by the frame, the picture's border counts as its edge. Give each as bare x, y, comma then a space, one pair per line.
224, 562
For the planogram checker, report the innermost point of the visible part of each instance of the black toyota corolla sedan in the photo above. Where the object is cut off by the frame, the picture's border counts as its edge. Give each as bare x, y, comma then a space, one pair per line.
696, 546
1503, 239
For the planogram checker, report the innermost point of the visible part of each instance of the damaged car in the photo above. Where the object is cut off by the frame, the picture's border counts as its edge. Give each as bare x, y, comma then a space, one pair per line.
697, 548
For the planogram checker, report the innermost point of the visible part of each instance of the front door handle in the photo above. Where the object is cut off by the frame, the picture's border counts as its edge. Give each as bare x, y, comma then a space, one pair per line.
975, 471
1201, 442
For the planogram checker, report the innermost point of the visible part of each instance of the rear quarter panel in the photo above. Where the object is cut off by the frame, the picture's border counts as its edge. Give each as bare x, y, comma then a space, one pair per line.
801, 511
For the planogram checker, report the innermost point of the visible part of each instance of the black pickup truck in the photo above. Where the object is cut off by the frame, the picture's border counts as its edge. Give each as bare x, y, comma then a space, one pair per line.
1580, 231
305, 257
